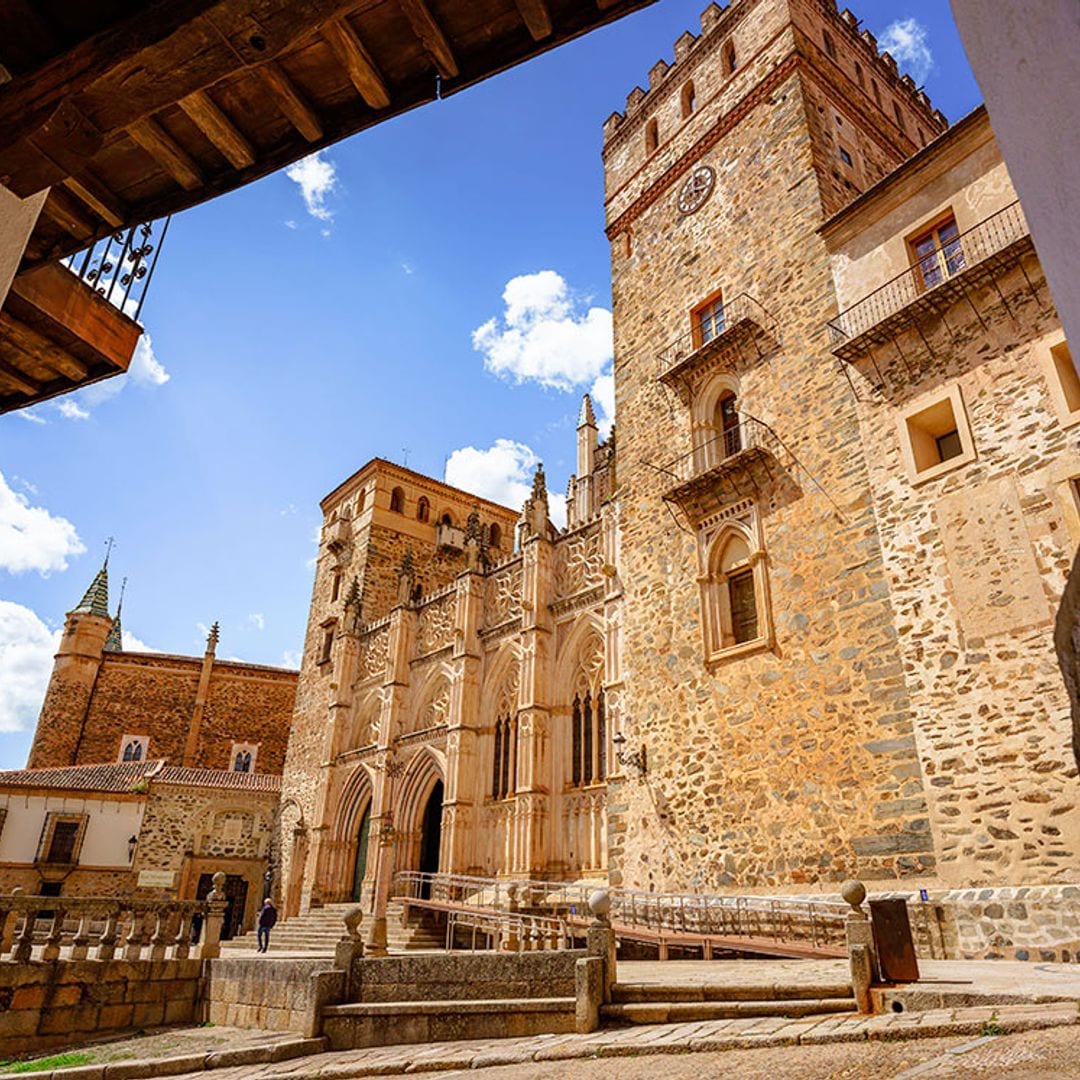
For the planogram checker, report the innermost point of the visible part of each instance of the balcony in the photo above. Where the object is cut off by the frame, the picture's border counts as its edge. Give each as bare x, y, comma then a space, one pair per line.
66, 325
730, 466
744, 327
450, 537
933, 283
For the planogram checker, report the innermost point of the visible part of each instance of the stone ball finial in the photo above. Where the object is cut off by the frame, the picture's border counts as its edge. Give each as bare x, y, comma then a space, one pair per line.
600, 904
854, 892
353, 918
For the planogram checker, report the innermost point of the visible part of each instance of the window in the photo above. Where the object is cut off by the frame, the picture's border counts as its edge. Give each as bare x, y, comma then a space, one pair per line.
242, 757
899, 116
734, 593
588, 738
935, 437
335, 589
327, 645
1061, 377
728, 59
652, 136
397, 501
727, 426
830, 47
845, 157
360, 500
134, 747
859, 76
937, 253
423, 509
708, 320
504, 763
877, 92
689, 100
446, 519
494, 536
62, 838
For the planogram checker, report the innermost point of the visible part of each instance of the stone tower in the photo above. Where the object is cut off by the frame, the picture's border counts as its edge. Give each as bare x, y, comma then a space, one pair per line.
763, 677
75, 670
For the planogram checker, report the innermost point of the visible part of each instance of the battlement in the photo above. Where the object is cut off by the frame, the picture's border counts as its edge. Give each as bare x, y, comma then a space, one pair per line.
718, 24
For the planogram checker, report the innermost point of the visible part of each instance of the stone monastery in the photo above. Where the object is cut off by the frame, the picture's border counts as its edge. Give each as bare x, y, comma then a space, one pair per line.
800, 624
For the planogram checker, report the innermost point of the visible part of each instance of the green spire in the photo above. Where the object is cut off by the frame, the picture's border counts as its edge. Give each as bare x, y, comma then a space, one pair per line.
96, 600
115, 641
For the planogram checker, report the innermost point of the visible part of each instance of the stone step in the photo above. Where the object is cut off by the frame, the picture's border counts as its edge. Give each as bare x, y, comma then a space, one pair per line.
633, 993
674, 1012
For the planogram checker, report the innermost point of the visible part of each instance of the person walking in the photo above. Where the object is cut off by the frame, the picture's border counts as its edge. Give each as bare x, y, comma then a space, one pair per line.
267, 918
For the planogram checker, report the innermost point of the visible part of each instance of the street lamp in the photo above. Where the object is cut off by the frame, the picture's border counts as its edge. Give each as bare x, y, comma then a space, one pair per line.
133, 843
634, 760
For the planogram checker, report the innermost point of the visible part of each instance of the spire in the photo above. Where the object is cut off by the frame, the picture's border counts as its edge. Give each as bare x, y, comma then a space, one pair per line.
96, 600
115, 641
212, 639
586, 417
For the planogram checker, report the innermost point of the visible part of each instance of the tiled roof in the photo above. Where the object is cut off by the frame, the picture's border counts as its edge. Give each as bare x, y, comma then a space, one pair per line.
119, 777
96, 600
219, 778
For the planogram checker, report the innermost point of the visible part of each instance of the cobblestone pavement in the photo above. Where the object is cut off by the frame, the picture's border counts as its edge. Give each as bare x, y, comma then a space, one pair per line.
869, 1044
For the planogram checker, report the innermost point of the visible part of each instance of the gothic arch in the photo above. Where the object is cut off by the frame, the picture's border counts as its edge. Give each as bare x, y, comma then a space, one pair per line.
735, 591
356, 792
500, 722
432, 700
364, 726
579, 646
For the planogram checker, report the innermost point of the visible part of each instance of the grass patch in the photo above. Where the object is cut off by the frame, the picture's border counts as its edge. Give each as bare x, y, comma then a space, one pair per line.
992, 1027
57, 1061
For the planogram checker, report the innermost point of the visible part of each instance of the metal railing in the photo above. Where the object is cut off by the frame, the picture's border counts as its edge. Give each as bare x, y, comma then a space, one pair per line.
932, 270
50, 928
734, 312
803, 924
748, 434
121, 265
474, 931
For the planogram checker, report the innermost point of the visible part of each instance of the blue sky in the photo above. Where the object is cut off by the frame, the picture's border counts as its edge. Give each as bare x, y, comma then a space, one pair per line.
293, 340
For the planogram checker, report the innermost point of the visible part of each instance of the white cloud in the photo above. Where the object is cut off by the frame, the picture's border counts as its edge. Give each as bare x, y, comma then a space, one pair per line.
908, 41
32, 415
133, 644
27, 647
316, 177
145, 369
31, 538
290, 658
258, 620
71, 410
408, 268
502, 473
290, 224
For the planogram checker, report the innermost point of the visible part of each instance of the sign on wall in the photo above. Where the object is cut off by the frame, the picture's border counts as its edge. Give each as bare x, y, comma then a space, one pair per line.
156, 879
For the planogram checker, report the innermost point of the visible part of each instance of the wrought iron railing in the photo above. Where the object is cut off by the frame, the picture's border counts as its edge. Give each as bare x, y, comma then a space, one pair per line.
735, 312
726, 446
121, 265
932, 270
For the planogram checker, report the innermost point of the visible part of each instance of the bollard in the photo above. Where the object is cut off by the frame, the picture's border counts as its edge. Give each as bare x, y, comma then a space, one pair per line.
860, 944
215, 917
600, 939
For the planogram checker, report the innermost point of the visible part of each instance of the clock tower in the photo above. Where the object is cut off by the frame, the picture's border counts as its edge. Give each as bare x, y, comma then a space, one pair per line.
764, 679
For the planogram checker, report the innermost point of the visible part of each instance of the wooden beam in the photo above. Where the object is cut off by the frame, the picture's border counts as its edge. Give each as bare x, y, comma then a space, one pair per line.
42, 349
98, 198
536, 17
219, 129
431, 36
168, 153
350, 50
291, 102
21, 380
68, 214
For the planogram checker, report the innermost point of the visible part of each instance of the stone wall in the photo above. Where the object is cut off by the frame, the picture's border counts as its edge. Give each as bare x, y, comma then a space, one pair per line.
45, 1005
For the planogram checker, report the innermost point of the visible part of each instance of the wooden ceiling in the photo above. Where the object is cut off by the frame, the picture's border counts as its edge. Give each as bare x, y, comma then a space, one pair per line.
129, 110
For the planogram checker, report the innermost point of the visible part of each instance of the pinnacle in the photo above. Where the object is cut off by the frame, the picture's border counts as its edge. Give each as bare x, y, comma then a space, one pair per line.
586, 416
96, 600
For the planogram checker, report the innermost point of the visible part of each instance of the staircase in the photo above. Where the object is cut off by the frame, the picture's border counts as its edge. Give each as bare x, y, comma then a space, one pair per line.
652, 1003
318, 931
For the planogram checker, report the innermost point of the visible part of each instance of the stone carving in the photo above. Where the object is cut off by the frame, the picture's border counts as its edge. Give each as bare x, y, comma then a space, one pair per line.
435, 624
436, 711
579, 563
502, 599
374, 650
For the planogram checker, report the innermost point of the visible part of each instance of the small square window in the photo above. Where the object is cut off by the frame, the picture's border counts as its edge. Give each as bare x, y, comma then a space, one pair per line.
327, 645
1067, 374
1062, 378
936, 437
845, 157
708, 320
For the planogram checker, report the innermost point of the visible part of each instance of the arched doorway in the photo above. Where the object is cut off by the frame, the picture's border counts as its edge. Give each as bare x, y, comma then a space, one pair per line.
360, 863
431, 834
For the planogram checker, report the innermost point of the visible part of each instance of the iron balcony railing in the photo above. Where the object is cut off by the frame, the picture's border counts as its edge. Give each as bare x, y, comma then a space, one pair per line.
725, 448
930, 272
121, 265
696, 344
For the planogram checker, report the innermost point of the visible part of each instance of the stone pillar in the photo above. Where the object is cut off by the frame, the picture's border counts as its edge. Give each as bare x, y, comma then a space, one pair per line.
600, 941
860, 944
211, 945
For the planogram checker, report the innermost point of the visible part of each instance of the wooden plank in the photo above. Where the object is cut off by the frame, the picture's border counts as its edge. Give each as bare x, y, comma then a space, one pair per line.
219, 129
167, 152
536, 17
291, 102
431, 36
42, 348
20, 379
365, 76
68, 214
98, 198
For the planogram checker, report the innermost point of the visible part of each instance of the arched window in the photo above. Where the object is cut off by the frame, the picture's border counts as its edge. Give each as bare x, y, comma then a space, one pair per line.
588, 738
423, 509
689, 99
504, 760
133, 751
360, 500
446, 519
495, 536
243, 761
727, 427
652, 136
830, 47
728, 58
877, 92
397, 501
859, 75
735, 594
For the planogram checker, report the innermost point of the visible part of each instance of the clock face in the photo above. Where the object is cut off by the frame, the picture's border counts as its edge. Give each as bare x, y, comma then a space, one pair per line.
696, 190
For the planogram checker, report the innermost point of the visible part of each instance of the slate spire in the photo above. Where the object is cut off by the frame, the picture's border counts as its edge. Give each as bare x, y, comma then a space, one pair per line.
96, 600
115, 641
